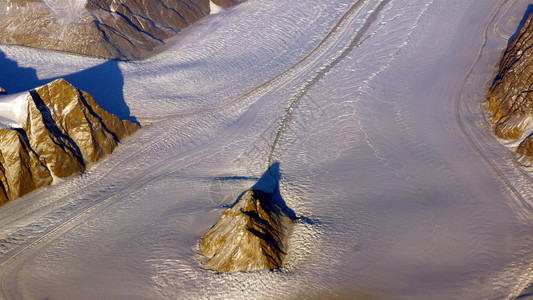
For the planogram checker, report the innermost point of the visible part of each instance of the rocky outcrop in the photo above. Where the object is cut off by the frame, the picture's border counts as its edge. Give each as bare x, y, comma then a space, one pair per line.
225, 3
2, 91
510, 98
61, 130
104, 28
252, 235
21, 171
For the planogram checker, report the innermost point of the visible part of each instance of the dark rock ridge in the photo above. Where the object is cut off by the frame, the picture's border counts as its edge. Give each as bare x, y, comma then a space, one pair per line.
125, 29
2, 91
251, 235
61, 132
510, 98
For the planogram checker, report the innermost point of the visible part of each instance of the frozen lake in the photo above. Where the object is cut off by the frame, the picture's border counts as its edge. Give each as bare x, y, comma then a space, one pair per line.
373, 110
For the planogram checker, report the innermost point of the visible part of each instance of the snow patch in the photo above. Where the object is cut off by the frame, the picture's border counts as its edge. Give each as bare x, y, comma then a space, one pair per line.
14, 110
214, 8
55, 178
525, 124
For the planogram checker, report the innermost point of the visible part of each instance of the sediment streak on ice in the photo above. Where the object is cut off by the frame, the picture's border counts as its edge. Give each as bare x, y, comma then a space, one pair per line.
395, 201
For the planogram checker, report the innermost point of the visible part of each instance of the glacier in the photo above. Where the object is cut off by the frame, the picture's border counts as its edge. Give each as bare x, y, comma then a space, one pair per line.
374, 112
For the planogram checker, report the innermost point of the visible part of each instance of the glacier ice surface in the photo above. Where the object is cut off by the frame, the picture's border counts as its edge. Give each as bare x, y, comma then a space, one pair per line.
385, 156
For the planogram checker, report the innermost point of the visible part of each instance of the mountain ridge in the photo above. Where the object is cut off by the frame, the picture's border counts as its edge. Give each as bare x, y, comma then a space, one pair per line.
126, 29
510, 97
62, 131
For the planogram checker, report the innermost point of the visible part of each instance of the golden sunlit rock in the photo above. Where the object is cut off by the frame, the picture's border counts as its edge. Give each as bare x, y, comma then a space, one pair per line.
21, 171
63, 131
88, 130
510, 98
224, 3
252, 235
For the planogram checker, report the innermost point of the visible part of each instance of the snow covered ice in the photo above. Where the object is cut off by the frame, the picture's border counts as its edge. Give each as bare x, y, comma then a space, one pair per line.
373, 110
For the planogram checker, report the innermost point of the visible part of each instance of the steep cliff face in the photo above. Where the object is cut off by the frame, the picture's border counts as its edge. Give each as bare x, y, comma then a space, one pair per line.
82, 129
104, 28
252, 235
60, 130
510, 98
21, 171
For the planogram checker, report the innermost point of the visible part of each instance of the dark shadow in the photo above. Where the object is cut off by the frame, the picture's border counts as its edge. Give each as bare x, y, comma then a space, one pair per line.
527, 293
98, 117
15, 79
269, 183
104, 82
528, 12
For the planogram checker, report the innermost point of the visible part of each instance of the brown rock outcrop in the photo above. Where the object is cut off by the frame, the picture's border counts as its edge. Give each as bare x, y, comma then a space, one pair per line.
63, 131
84, 131
2, 91
104, 28
21, 171
510, 98
225, 3
252, 235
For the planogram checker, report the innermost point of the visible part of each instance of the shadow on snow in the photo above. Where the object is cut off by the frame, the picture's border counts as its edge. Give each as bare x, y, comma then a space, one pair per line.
528, 12
104, 82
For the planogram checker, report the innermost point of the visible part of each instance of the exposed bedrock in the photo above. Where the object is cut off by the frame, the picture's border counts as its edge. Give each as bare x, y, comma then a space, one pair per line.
62, 130
21, 171
510, 98
225, 3
252, 235
125, 29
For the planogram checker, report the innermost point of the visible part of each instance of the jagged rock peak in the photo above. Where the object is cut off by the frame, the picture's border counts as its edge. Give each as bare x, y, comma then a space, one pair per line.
251, 235
74, 115
104, 28
2, 91
61, 130
510, 98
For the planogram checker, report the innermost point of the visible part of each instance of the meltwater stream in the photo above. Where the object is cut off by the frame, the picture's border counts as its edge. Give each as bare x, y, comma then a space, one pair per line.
373, 110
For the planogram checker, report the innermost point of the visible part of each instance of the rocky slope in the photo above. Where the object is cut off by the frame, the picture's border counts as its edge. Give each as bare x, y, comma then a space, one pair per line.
59, 130
104, 28
510, 98
225, 3
252, 235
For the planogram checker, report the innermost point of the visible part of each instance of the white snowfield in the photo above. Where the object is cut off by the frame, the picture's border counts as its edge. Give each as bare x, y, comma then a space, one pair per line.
373, 110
